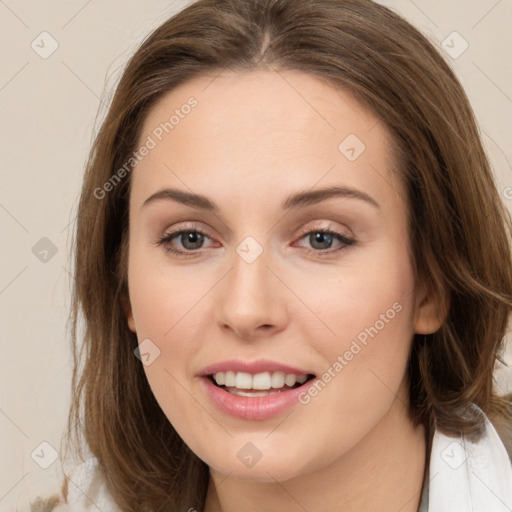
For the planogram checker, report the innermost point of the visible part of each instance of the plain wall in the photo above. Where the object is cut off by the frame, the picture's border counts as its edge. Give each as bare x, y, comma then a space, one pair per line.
48, 112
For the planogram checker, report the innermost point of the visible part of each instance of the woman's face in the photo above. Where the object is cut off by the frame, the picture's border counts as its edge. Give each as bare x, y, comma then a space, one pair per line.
256, 289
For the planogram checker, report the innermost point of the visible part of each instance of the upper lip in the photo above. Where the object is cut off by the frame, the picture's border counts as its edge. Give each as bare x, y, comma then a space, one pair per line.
252, 367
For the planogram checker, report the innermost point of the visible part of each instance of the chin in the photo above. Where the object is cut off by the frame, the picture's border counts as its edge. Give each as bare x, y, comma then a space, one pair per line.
267, 464
264, 472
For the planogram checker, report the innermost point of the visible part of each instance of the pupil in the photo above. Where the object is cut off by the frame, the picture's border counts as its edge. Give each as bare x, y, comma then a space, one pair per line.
322, 238
193, 237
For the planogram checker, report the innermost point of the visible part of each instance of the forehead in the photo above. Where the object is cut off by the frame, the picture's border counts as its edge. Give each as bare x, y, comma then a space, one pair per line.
262, 101
259, 128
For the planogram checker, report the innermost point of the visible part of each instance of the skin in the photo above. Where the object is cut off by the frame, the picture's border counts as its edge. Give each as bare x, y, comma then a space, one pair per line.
253, 139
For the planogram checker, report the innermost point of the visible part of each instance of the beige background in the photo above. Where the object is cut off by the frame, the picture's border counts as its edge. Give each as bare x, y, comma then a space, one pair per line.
48, 111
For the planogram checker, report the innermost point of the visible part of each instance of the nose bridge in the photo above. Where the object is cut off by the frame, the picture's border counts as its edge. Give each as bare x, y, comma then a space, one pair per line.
249, 298
249, 276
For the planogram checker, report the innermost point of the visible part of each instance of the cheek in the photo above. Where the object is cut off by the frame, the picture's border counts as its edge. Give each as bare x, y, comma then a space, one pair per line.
372, 299
169, 309
164, 306
163, 297
369, 312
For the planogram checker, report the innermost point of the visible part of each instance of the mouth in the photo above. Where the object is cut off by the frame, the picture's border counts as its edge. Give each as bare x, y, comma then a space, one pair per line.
260, 384
255, 390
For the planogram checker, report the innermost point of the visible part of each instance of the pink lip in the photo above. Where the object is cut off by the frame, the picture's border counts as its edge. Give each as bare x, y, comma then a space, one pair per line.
252, 408
252, 367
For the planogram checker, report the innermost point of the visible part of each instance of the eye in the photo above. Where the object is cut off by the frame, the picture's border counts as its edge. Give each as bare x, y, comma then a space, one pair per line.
191, 240
322, 239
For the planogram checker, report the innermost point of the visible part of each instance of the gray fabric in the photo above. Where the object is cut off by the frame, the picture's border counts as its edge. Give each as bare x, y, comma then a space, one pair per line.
424, 496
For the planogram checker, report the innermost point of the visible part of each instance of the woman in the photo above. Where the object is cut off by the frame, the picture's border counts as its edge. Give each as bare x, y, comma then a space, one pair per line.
284, 269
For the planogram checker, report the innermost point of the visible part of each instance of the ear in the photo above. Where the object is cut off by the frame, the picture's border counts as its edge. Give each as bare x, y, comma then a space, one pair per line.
127, 307
432, 308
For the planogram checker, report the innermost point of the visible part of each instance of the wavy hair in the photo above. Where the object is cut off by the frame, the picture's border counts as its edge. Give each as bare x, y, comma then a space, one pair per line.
460, 230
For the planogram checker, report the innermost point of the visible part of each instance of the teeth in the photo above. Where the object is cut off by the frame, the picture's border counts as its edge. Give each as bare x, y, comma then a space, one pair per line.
220, 378
278, 379
252, 394
229, 379
290, 379
243, 380
260, 381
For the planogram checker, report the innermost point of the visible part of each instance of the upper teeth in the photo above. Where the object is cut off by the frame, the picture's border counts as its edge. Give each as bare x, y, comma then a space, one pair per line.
265, 380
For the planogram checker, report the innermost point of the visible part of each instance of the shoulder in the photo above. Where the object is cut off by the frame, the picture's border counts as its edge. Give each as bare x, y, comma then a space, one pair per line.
83, 491
467, 476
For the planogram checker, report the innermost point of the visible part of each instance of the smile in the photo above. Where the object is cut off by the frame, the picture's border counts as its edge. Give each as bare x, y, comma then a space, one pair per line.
254, 391
261, 384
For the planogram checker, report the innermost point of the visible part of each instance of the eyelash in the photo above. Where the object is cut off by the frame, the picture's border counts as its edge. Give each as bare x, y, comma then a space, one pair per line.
345, 241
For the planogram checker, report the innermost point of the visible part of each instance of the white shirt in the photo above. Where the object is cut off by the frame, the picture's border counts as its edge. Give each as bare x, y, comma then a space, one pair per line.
470, 477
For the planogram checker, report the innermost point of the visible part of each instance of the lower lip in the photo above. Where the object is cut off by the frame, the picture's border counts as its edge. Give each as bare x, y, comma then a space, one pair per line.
253, 408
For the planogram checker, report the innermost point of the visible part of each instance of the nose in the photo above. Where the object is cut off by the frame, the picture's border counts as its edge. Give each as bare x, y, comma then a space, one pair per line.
252, 300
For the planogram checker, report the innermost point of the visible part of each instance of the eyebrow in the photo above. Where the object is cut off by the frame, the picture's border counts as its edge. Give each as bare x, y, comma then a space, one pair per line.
294, 201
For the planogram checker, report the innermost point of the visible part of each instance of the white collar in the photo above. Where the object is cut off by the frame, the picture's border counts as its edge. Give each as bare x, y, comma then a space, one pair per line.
470, 477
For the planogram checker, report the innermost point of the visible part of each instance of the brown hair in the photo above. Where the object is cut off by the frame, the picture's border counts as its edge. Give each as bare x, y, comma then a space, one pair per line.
459, 228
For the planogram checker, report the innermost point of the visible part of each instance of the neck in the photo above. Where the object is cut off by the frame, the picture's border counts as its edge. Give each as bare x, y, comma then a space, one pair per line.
384, 471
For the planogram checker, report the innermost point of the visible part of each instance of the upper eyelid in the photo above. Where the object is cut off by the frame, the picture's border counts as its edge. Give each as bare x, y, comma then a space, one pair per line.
303, 231
176, 231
